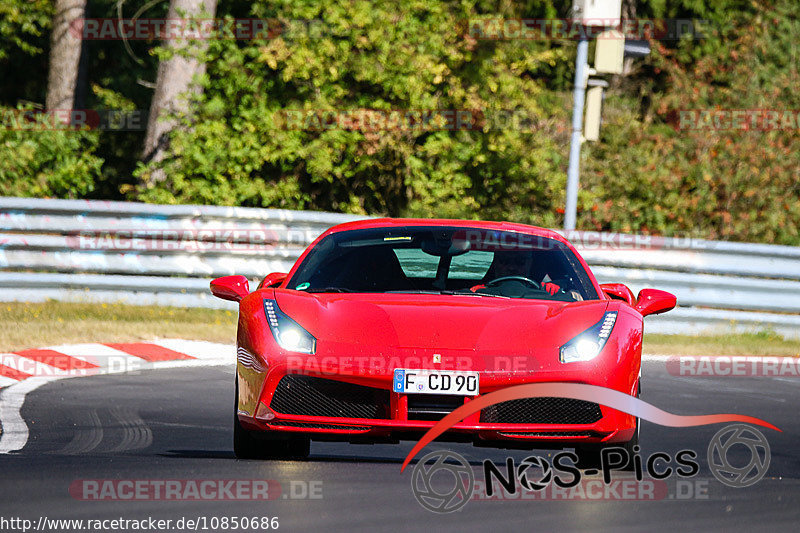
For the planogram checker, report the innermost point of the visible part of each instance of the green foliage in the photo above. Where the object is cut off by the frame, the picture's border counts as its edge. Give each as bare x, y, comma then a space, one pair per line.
37, 160
370, 55
22, 22
24, 40
34, 160
117, 78
644, 175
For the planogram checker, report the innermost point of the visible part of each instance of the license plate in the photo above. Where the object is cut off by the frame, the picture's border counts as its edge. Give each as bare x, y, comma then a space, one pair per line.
411, 381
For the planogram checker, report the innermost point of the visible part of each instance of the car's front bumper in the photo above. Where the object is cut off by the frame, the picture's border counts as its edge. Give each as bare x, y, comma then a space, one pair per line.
341, 407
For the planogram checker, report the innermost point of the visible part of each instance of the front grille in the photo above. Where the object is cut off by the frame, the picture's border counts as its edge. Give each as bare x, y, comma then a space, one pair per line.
432, 406
542, 411
310, 396
312, 425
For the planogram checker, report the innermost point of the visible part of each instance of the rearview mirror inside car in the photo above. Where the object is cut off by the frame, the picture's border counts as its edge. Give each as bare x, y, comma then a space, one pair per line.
232, 288
654, 301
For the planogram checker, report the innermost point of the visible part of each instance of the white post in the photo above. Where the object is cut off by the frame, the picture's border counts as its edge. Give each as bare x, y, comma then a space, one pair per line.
573, 171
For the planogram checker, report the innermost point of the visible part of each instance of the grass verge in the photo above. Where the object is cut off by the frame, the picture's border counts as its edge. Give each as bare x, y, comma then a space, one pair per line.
33, 325
761, 343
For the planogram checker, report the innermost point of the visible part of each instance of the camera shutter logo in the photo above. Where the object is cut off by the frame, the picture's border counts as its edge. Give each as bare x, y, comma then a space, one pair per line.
738, 435
452, 493
534, 462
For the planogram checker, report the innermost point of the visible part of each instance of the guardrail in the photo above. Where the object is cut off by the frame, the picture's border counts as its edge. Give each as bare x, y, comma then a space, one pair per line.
76, 250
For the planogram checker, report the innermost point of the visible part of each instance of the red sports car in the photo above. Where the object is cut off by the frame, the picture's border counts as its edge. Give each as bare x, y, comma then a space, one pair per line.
384, 326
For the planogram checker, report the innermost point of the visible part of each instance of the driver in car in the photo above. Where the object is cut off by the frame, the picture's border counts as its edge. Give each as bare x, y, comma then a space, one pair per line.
506, 264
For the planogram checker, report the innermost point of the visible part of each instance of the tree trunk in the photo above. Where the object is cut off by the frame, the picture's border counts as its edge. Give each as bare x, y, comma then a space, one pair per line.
65, 54
173, 86
628, 14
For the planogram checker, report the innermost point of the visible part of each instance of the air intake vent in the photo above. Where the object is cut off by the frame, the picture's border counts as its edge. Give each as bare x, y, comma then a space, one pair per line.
542, 411
311, 396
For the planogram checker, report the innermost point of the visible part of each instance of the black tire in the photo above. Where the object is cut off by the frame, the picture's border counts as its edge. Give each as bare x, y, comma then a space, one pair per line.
245, 445
259, 445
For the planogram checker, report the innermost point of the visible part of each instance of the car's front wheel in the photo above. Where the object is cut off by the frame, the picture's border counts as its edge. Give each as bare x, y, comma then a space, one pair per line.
258, 445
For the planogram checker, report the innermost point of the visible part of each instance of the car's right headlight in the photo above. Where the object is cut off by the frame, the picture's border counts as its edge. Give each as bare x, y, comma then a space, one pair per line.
288, 334
588, 345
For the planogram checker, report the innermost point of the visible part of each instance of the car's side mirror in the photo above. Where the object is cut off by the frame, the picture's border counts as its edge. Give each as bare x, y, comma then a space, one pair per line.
232, 288
619, 291
272, 280
654, 301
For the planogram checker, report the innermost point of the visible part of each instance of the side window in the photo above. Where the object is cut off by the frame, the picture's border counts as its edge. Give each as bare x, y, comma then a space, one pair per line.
416, 263
471, 265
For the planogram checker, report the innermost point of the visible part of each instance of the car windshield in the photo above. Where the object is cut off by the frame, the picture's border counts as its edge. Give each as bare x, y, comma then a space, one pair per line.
444, 260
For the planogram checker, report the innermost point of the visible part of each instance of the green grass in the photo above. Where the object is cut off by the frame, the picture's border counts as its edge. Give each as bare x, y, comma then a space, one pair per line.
33, 325
761, 343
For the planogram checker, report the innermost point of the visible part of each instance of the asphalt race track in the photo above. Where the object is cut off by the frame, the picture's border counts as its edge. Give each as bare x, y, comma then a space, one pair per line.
175, 424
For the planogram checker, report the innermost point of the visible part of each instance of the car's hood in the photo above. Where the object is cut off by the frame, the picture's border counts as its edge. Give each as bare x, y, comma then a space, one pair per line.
385, 323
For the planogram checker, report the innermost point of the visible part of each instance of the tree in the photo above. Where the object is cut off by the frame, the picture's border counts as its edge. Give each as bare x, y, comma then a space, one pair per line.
65, 54
174, 83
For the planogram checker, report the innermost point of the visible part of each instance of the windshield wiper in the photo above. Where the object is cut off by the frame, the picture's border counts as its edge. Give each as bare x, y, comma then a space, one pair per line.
413, 291
447, 292
330, 289
470, 293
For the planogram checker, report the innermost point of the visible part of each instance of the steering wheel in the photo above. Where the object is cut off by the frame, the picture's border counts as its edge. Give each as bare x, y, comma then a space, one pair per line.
523, 279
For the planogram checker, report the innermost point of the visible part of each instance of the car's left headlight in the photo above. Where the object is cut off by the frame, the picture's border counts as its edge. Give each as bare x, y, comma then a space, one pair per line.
288, 334
588, 345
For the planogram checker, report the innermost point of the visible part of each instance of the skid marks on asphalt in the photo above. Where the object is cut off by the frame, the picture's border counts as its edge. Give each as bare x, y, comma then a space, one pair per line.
88, 433
114, 430
136, 435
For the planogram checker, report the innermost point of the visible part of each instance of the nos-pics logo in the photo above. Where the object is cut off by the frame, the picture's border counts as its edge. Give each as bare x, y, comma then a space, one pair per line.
443, 481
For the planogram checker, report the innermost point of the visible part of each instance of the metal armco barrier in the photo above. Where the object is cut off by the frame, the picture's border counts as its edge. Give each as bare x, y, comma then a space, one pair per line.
76, 250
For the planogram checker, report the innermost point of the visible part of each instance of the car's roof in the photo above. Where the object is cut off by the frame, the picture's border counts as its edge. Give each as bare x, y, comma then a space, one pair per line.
418, 222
